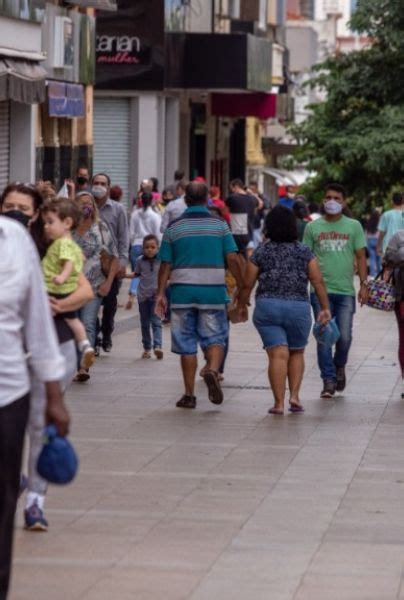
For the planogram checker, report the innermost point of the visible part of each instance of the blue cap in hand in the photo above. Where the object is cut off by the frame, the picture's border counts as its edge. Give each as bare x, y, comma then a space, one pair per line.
328, 335
58, 462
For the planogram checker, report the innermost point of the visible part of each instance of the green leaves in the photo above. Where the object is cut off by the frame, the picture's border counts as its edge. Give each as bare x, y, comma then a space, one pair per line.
356, 137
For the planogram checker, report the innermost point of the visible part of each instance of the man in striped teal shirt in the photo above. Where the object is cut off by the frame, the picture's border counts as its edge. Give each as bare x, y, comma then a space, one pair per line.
195, 252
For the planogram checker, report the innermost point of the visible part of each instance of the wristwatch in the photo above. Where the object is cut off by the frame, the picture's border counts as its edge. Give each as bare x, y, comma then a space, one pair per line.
364, 283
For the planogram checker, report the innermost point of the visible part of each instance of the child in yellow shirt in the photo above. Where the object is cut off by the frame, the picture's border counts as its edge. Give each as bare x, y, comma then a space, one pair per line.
62, 265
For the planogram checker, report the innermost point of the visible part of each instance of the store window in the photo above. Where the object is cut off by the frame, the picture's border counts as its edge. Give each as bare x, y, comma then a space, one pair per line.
29, 10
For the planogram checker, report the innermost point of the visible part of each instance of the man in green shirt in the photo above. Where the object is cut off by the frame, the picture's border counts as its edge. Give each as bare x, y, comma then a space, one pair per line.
337, 241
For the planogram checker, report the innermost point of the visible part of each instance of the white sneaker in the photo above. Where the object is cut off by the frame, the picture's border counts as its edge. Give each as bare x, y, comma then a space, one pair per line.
87, 356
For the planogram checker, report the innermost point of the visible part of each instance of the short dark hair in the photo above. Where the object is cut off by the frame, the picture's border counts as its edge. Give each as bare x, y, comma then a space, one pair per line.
178, 175
107, 177
181, 184
300, 210
280, 225
196, 193
151, 238
336, 187
397, 198
237, 183
64, 209
147, 199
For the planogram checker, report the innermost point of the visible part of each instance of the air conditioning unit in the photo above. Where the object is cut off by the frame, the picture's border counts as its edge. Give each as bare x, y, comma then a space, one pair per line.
63, 43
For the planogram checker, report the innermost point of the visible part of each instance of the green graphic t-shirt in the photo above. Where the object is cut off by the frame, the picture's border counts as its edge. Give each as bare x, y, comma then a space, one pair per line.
334, 243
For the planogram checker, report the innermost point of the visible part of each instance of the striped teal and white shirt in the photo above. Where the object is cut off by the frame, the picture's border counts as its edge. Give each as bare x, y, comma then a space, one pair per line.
196, 246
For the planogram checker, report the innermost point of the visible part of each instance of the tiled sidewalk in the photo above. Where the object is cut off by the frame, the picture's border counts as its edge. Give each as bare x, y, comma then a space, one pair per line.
227, 502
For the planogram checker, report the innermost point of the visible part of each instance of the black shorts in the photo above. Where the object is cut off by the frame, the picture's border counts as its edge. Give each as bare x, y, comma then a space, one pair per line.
72, 314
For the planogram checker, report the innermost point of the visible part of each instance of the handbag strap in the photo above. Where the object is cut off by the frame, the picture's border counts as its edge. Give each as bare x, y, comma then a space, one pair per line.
102, 235
380, 276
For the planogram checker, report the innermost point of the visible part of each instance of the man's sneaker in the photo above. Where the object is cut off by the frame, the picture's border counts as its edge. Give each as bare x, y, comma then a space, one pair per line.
329, 389
158, 353
107, 344
87, 356
186, 402
341, 379
34, 519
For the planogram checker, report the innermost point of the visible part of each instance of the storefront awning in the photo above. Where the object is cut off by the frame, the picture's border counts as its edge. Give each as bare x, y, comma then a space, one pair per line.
262, 106
65, 99
293, 178
100, 4
22, 81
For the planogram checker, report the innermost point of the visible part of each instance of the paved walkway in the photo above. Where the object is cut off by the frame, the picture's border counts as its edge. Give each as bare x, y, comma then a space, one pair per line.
227, 502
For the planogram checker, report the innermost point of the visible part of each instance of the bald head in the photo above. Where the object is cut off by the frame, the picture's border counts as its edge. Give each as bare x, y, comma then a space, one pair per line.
196, 194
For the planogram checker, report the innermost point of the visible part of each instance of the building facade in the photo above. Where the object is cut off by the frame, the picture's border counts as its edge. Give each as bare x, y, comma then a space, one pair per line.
64, 127
22, 87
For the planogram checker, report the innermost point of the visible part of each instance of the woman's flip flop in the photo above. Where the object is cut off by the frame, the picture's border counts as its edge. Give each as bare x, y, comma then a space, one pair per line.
296, 408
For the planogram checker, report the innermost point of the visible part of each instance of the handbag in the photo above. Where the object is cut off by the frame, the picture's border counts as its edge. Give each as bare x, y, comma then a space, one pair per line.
105, 258
381, 293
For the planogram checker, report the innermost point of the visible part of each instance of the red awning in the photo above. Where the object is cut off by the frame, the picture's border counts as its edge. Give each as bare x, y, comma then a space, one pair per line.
262, 106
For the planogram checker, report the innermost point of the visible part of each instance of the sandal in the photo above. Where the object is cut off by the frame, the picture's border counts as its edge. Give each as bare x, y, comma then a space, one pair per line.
295, 408
146, 354
275, 411
211, 379
81, 377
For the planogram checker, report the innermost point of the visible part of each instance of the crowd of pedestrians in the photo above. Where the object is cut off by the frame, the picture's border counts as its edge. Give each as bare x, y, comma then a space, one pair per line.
189, 255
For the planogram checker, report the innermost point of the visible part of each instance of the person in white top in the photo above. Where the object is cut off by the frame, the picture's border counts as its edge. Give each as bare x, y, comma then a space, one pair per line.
144, 221
27, 343
175, 208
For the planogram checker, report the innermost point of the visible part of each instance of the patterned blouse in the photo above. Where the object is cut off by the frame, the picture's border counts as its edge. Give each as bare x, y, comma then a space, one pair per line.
283, 270
91, 243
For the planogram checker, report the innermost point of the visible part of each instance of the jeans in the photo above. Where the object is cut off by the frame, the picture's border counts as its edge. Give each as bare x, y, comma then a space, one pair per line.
150, 321
88, 315
375, 261
192, 326
343, 309
282, 322
13, 419
135, 252
110, 304
36, 421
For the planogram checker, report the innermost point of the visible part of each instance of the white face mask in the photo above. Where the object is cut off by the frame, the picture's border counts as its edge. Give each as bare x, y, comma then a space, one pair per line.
332, 207
98, 191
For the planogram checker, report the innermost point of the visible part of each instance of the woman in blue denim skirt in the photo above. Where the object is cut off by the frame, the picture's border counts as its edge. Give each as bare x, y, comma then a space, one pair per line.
283, 267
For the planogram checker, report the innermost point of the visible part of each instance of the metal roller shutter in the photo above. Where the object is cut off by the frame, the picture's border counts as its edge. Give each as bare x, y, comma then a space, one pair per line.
112, 141
4, 143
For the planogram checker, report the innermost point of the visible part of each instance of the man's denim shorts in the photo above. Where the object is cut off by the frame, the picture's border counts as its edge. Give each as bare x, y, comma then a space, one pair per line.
282, 322
190, 326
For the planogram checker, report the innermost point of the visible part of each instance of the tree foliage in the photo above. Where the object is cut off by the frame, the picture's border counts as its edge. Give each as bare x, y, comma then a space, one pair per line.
356, 137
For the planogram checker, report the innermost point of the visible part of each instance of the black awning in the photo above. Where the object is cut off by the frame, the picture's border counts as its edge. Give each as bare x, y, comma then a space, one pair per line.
22, 81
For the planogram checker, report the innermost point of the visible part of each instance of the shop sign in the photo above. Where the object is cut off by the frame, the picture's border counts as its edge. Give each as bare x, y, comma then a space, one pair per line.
130, 46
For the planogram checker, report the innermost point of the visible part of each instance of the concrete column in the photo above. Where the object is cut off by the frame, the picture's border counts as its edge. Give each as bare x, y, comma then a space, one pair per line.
172, 138
147, 128
23, 118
